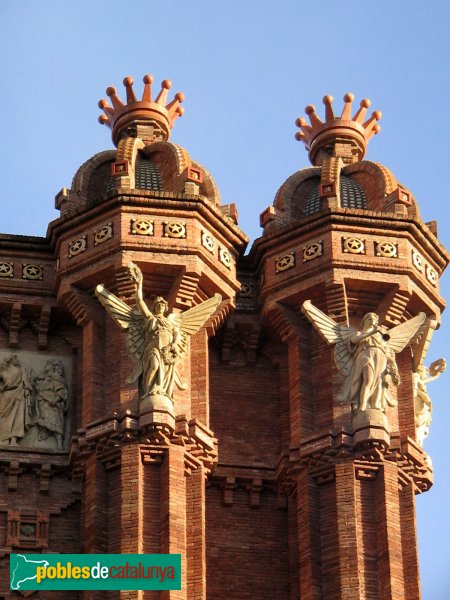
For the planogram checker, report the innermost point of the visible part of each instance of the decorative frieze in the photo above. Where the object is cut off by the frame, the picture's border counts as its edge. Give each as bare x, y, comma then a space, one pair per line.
6, 269
246, 290
174, 229
40, 400
386, 249
27, 529
34, 272
142, 227
312, 251
103, 234
418, 261
78, 246
225, 257
208, 241
285, 262
353, 245
432, 275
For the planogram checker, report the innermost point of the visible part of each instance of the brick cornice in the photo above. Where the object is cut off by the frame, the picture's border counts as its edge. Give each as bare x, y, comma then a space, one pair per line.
106, 437
178, 203
352, 220
318, 454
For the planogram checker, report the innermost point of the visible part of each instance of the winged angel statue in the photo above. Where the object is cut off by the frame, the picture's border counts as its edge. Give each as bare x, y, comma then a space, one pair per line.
158, 342
366, 357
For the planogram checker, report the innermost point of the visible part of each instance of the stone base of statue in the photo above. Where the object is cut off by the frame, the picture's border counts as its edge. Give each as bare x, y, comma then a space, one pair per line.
370, 425
156, 409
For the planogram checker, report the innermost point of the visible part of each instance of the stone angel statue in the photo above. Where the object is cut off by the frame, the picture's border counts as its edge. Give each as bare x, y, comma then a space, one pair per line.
422, 401
366, 357
157, 341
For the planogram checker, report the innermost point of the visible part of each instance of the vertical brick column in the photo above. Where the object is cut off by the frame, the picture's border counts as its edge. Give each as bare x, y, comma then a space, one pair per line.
309, 538
93, 371
95, 506
151, 526
300, 397
196, 540
173, 514
95, 515
409, 543
293, 559
131, 508
347, 526
200, 377
390, 564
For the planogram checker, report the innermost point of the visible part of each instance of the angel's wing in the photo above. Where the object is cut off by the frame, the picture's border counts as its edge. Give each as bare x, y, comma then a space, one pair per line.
119, 311
333, 333
402, 334
127, 318
421, 340
190, 321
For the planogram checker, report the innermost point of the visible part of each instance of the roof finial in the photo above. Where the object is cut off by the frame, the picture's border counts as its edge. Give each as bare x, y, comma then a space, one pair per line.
120, 116
323, 135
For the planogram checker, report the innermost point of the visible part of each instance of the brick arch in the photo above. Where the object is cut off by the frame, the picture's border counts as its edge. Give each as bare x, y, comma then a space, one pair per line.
128, 148
171, 161
209, 187
80, 182
379, 185
290, 200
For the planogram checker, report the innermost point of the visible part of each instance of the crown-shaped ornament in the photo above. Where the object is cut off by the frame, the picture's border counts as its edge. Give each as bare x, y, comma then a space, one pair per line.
119, 117
345, 129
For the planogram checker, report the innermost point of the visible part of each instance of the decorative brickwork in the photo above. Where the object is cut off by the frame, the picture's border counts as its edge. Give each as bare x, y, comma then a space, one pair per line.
263, 475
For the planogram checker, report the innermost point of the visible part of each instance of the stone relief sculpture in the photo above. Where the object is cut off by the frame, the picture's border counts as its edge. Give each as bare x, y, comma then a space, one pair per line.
52, 397
15, 400
33, 408
156, 340
422, 401
366, 357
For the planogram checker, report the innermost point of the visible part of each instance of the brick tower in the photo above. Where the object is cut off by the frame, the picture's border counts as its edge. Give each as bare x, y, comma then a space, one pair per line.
286, 466
347, 237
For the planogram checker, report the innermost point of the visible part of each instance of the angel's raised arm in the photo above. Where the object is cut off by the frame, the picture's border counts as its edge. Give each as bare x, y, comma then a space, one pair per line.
136, 276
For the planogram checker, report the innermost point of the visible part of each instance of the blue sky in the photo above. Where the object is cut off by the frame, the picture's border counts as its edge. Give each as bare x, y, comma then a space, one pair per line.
248, 68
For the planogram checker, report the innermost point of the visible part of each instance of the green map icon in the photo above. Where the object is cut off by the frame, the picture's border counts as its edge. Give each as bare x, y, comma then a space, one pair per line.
23, 569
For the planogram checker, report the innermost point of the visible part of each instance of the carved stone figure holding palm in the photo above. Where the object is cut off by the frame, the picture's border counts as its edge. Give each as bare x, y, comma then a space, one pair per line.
158, 341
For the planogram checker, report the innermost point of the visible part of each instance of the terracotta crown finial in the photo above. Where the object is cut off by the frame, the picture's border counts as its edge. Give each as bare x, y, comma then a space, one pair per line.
120, 115
344, 128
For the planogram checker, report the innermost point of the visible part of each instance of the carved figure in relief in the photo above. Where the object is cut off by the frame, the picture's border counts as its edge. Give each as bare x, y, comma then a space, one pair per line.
422, 401
366, 357
52, 397
15, 400
157, 341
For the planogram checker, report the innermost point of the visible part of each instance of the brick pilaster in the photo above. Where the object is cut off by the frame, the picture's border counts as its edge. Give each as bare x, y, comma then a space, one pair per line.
173, 514
200, 377
347, 527
390, 565
309, 537
196, 542
93, 371
409, 543
131, 508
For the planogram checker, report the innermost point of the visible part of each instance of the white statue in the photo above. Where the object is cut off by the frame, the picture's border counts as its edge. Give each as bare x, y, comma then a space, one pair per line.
366, 357
422, 401
157, 341
15, 400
